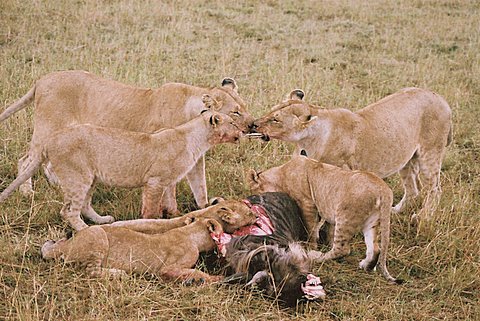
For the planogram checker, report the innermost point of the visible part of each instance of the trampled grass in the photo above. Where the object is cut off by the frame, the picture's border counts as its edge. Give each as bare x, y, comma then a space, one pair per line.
342, 53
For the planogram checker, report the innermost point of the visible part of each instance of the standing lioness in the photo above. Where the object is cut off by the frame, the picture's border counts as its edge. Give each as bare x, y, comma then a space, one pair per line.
351, 201
67, 98
406, 132
84, 154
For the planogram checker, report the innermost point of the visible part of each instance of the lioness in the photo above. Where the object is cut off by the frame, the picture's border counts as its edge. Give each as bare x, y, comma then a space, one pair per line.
232, 214
67, 98
108, 250
84, 154
351, 201
406, 132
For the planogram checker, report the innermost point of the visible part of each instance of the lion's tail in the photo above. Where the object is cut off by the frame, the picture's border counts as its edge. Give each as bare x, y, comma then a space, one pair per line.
19, 104
29, 172
385, 211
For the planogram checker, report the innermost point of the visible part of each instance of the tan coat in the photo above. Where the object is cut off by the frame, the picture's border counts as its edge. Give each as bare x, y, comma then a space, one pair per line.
406, 132
108, 250
350, 201
84, 154
67, 98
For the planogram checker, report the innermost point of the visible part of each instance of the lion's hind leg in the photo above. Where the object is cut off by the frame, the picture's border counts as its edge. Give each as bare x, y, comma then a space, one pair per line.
430, 167
410, 181
48, 171
89, 212
23, 163
371, 242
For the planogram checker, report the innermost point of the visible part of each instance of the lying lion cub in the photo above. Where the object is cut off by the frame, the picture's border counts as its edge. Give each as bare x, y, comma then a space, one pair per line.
231, 214
108, 250
406, 132
84, 154
73, 97
351, 201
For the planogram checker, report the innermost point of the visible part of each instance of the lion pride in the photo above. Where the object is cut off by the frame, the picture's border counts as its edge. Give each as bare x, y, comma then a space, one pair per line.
406, 132
68, 98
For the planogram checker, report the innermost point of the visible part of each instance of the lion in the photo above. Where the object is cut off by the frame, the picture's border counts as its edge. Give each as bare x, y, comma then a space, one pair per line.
67, 98
231, 214
351, 201
82, 155
406, 132
113, 251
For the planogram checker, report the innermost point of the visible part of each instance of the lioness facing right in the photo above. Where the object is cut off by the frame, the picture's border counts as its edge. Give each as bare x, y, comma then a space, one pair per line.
108, 250
351, 201
84, 154
406, 132
67, 98
231, 214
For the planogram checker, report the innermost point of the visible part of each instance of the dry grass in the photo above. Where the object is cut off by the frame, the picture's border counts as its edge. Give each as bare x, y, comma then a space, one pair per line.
342, 53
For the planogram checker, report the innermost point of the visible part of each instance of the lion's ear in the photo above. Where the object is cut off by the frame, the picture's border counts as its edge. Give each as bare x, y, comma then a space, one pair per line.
253, 179
296, 94
210, 103
215, 200
189, 220
215, 120
229, 83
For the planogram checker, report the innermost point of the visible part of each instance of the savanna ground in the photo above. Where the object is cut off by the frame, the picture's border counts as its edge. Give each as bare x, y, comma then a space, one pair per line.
342, 53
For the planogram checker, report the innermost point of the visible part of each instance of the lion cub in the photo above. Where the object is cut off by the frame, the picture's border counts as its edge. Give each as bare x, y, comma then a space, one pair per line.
351, 201
108, 250
85, 154
231, 214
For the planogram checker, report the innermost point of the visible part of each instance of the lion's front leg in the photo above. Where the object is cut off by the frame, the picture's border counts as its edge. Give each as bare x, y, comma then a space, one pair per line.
151, 226
198, 183
158, 201
340, 247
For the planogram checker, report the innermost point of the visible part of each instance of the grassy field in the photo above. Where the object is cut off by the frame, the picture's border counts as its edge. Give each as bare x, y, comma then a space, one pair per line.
342, 53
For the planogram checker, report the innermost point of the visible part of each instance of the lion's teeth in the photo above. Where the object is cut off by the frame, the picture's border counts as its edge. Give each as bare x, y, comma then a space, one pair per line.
254, 135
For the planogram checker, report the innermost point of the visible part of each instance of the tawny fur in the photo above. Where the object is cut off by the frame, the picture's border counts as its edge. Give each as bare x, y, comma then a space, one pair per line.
231, 214
406, 132
84, 154
107, 250
67, 98
351, 201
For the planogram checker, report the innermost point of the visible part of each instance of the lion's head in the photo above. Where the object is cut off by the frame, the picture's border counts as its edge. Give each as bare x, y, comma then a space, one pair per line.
223, 128
230, 103
232, 214
288, 120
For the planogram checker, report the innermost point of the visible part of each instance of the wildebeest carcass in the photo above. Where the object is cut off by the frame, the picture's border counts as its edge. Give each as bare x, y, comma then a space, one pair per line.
270, 255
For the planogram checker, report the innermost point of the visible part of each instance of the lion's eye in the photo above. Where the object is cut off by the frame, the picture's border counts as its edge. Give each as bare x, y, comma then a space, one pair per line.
235, 113
223, 208
274, 120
